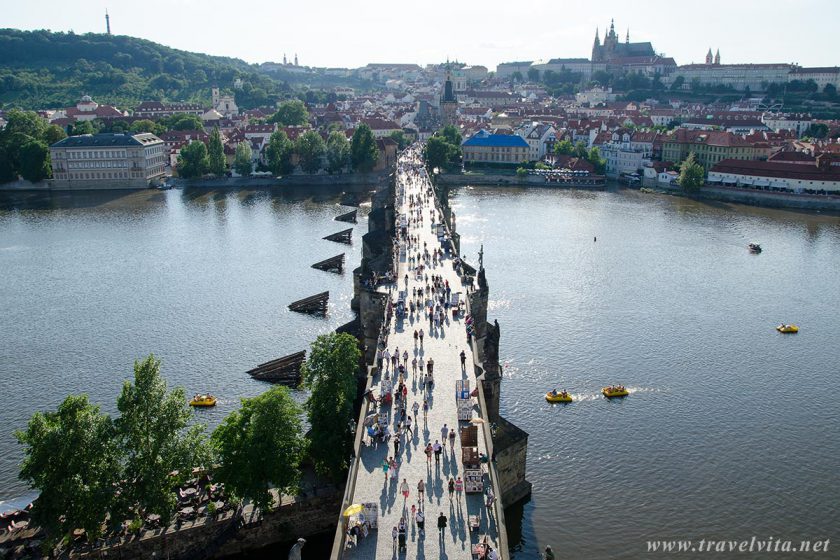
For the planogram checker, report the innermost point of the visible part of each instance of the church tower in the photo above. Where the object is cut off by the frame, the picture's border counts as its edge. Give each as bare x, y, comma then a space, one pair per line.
717, 58
448, 102
596, 47
296, 62
709, 56
107, 23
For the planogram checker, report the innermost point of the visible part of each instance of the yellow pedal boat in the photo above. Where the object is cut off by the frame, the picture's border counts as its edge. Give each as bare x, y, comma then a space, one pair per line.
787, 328
562, 396
612, 392
203, 400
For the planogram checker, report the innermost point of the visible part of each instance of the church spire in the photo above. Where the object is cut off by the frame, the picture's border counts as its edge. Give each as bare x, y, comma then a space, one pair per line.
709, 56
612, 27
597, 38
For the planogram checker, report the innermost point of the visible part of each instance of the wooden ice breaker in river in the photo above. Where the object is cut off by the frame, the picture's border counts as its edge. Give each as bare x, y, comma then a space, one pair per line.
348, 217
333, 264
284, 370
343, 236
314, 305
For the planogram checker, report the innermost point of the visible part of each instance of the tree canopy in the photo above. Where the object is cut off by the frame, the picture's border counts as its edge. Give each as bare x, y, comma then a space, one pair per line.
24, 146
260, 446
363, 151
193, 160
310, 149
216, 162
72, 458
156, 436
291, 113
692, 176
242, 162
338, 151
443, 150
330, 373
279, 153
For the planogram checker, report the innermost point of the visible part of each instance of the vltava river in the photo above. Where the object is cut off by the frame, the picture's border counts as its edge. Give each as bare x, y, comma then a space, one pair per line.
91, 282
731, 428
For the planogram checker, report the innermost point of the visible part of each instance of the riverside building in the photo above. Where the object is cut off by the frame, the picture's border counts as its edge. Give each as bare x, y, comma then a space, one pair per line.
107, 161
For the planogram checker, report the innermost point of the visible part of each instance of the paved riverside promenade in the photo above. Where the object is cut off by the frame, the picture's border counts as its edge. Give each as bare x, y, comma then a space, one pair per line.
443, 345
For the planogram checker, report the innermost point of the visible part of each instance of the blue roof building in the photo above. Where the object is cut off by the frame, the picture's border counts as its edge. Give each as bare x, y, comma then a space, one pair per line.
502, 149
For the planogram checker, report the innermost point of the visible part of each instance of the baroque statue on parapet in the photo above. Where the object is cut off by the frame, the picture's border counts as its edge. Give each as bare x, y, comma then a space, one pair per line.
491, 343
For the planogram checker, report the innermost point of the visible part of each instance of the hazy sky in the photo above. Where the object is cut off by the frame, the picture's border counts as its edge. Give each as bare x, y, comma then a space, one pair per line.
351, 33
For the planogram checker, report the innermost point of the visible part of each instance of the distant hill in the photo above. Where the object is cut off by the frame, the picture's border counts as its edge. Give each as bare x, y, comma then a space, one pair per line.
42, 69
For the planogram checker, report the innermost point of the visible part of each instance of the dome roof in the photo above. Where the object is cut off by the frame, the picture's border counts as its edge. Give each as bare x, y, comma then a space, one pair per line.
86, 99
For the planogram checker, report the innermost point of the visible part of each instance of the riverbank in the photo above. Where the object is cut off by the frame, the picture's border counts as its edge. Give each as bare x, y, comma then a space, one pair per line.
303, 180
472, 178
753, 197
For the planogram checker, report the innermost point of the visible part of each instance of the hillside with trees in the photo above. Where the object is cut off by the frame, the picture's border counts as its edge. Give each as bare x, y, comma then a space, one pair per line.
42, 69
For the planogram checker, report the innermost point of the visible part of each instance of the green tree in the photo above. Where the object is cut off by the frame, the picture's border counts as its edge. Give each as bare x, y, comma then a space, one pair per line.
7, 167
291, 113
330, 373
398, 136
145, 125
830, 90
157, 439
54, 134
594, 157
363, 151
71, 458
242, 162
451, 134
24, 122
83, 127
216, 153
35, 161
678, 83
692, 176
517, 77
338, 151
182, 121
580, 149
818, 130
310, 149
436, 152
260, 446
279, 153
564, 148
193, 160
533, 75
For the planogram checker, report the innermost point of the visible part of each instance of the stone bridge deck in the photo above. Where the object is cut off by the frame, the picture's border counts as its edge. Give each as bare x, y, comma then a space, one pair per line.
443, 345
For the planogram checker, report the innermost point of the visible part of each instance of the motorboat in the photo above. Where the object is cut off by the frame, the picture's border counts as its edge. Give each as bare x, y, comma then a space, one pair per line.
558, 397
787, 329
203, 401
754, 248
613, 391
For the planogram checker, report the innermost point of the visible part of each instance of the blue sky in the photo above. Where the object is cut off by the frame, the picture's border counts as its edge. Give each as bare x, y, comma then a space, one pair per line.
351, 33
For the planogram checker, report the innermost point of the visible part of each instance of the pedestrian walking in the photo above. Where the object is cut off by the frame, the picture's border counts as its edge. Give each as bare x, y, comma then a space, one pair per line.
437, 447
394, 534
463, 360
387, 356
404, 489
408, 426
444, 433
394, 473
386, 464
452, 440
415, 407
379, 357
405, 357
425, 409
420, 519
451, 487
414, 366
416, 336
459, 486
427, 451
421, 338
396, 446
441, 524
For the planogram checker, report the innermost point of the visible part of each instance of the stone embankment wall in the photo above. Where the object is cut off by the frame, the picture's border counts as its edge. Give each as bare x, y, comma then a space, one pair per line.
751, 197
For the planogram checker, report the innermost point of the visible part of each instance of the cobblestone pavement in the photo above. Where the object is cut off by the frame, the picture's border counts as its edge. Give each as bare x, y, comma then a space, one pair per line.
443, 345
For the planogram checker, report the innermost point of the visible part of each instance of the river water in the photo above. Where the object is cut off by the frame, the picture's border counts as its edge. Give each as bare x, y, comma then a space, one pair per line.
89, 282
731, 428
